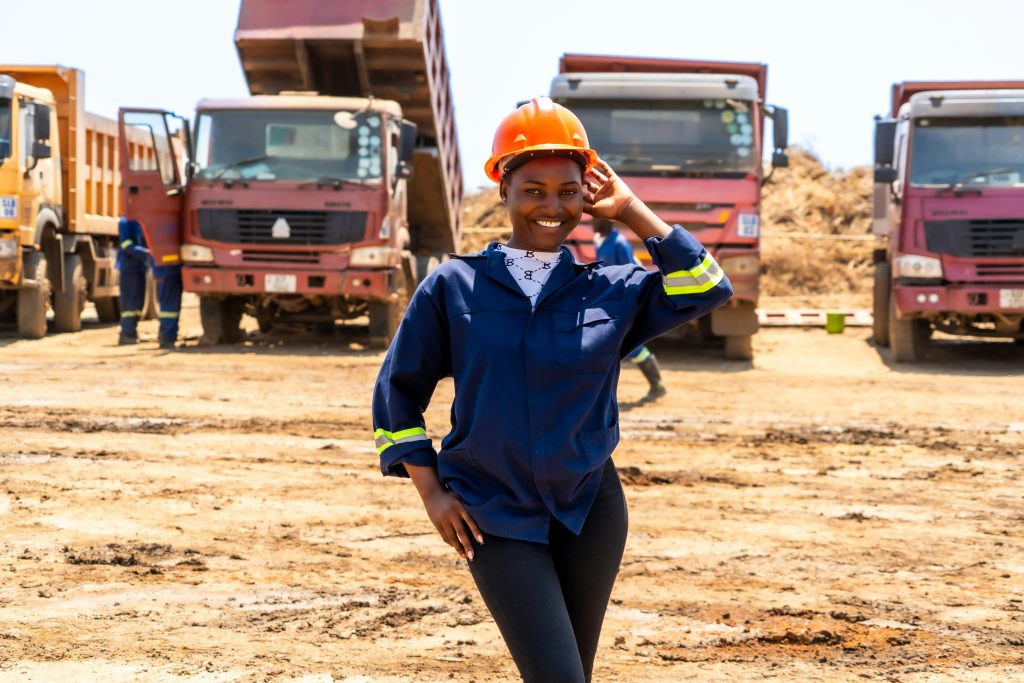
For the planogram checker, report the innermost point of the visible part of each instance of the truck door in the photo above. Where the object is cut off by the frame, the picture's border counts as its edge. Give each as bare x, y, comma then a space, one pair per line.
154, 147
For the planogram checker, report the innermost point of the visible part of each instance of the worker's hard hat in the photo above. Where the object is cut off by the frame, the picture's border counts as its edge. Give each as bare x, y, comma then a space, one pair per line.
539, 128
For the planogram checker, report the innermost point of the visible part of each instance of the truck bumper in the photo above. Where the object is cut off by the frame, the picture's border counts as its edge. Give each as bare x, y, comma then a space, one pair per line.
963, 299
358, 284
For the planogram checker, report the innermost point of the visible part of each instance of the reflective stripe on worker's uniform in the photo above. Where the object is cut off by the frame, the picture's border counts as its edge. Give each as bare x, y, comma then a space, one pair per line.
704, 277
126, 244
169, 314
644, 354
130, 314
385, 439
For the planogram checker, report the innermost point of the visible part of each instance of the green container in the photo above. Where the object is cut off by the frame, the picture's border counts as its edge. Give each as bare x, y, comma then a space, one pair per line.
835, 323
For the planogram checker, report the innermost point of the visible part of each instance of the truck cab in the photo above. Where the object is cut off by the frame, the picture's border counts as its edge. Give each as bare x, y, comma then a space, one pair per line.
949, 208
687, 137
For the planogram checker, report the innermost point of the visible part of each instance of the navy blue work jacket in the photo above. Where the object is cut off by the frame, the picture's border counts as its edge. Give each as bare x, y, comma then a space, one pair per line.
132, 254
535, 415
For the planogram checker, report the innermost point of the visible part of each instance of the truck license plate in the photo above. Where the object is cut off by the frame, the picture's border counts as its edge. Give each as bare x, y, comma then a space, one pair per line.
1011, 298
279, 283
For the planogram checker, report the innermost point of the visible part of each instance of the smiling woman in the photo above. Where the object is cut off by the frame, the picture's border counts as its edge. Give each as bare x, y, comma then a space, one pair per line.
524, 487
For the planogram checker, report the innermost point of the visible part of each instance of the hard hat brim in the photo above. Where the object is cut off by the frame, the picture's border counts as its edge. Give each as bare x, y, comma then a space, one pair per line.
584, 156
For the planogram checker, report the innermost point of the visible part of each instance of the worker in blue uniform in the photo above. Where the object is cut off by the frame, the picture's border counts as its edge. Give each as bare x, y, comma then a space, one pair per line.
523, 486
133, 261
168, 295
615, 250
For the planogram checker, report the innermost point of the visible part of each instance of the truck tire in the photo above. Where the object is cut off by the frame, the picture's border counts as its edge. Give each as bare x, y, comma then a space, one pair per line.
739, 347
881, 294
69, 302
221, 318
33, 301
150, 307
108, 309
908, 337
385, 316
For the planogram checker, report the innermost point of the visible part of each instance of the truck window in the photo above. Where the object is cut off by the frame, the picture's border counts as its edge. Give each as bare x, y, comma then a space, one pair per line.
672, 138
969, 150
151, 127
5, 128
262, 144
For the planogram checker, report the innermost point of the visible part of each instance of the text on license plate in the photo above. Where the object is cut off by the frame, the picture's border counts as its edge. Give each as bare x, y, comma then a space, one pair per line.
1011, 298
279, 283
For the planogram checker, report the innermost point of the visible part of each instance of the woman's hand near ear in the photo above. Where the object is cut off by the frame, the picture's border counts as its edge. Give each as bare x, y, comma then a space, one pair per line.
608, 196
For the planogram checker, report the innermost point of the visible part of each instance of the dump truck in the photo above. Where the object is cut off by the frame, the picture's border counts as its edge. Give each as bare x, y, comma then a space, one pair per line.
330, 191
949, 214
686, 135
59, 205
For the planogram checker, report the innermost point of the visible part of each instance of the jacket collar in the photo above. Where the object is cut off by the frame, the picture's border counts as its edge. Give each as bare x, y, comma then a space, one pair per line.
566, 270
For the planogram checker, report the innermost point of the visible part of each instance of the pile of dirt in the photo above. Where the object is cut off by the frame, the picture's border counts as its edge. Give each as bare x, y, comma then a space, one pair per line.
806, 213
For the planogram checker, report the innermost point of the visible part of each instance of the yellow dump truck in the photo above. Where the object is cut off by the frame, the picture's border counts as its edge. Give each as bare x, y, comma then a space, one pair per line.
59, 201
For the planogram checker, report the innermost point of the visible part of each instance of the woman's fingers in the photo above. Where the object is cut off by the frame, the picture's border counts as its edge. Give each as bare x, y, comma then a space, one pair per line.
473, 528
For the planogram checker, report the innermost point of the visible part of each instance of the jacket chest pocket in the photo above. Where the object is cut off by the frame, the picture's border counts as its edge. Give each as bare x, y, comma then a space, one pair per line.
587, 340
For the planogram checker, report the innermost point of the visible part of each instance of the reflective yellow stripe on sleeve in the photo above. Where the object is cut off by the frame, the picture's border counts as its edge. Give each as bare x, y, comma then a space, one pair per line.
385, 439
124, 245
704, 277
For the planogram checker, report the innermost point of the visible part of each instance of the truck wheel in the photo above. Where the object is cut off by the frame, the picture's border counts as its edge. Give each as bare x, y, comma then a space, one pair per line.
33, 301
150, 307
739, 347
68, 303
108, 309
881, 294
221, 318
908, 337
385, 316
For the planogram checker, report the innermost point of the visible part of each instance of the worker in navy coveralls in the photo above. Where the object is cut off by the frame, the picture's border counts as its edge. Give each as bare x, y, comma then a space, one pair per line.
168, 295
523, 486
615, 250
133, 261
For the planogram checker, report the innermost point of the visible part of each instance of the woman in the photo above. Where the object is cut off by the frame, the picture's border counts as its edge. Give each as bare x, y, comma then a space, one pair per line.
524, 487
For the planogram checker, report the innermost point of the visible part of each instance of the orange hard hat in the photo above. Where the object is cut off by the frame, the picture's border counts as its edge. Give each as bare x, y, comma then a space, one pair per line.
537, 129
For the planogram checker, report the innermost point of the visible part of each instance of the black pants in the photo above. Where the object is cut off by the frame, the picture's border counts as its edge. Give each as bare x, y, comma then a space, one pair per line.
549, 600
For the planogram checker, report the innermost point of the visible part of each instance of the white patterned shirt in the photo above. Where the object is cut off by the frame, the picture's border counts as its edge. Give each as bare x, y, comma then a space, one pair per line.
530, 269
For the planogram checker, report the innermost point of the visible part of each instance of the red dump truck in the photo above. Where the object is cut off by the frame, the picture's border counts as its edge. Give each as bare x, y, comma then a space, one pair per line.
59, 205
332, 190
687, 137
949, 208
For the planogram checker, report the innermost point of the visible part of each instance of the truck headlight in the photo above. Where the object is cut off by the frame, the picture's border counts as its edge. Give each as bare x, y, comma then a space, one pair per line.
196, 253
371, 257
748, 264
918, 266
8, 247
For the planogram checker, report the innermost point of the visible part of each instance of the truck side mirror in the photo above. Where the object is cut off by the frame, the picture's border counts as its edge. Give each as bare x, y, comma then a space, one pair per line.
404, 170
780, 160
885, 142
41, 150
407, 141
42, 123
885, 174
780, 127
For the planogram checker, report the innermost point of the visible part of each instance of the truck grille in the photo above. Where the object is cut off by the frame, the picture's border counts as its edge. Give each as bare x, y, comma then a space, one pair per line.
981, 238
256, 226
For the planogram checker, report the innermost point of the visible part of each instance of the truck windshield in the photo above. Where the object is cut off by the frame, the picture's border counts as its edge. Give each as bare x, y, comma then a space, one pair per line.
971, 151
672, 138
5, 129
264, 144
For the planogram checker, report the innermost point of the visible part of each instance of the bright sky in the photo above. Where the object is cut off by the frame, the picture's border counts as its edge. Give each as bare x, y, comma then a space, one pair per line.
830, 63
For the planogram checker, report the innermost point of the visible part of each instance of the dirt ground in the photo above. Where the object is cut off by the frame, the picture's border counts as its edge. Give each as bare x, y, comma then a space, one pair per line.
217, 514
